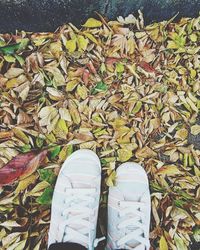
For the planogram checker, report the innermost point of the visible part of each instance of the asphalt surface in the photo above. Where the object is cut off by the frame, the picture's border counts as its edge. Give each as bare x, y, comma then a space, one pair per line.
47, 15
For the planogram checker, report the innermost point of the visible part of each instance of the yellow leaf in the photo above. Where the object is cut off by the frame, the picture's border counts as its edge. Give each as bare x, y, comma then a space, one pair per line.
71, 45
131, 46
12, 83
9, 58
91, 37
82, 43
168, 170
71, 85
181, 134
118, 123
74, 112
192, 105
145, 152
50, 138
38, 188
195, 129
111, 179
23, 184
56, 49
92, 23
65, 152
193, 73
20, 135
58, 76
124, 154
61, 129
82, 91
193, 37
172, 45
163, 244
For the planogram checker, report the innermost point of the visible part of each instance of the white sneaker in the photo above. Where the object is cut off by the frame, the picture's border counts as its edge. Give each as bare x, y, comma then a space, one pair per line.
76, 200
129, 207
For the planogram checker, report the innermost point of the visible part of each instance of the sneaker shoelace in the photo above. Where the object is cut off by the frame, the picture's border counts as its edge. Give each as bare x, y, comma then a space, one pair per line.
78, 212
134, 226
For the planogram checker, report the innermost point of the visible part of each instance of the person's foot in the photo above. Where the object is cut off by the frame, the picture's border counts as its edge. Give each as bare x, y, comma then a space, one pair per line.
129, 208
76, 200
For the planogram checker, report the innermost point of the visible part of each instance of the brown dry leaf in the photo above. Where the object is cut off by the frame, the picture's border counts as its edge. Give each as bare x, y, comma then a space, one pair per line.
169, 170
74, 112
145, 152
13, 72
23, 184
181, 134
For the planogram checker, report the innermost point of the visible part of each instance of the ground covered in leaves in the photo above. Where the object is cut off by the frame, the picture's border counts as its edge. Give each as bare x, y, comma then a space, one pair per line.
127, 91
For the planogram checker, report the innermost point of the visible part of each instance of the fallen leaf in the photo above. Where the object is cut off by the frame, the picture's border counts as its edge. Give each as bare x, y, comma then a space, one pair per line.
21, 166
124, 154
169, 170
92, 23
195, 129
163, 243
145, 152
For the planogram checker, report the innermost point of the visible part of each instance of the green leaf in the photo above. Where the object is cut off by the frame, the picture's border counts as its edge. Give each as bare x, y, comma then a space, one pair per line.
2, 43
20, 60
23, 43
10, 49
9, 58
100, 87
196, 233
26, 148
156, 187
71, 45
179, 243
103, 162
47, 175
92, 23
179, 203
137, 107
55, 152
39, 142
46, 197
119, 68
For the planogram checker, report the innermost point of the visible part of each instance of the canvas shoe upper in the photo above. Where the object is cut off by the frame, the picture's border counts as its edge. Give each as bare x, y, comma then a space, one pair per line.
76, 200
129, 209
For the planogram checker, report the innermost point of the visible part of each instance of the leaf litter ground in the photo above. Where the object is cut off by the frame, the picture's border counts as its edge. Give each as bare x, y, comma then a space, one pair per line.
127, 91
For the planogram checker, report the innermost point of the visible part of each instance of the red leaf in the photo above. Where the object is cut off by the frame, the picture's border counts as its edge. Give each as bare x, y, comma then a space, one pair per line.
21, 166
111, 60
79, 72
86, 75
147, 67
91, 67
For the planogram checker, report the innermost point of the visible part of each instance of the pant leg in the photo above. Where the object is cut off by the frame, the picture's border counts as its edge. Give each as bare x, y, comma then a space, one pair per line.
66, 246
